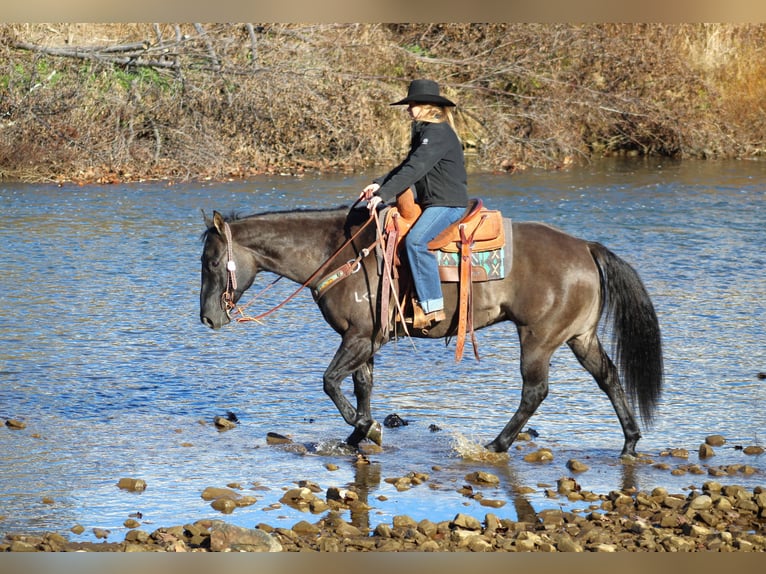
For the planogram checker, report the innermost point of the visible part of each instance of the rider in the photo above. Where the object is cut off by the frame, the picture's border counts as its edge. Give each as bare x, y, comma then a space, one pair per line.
435, 169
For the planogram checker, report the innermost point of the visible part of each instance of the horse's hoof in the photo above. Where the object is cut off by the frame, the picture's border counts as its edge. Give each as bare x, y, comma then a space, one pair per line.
375, 433
494, 447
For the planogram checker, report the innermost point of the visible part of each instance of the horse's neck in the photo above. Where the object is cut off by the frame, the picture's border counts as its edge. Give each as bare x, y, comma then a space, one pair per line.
291, 248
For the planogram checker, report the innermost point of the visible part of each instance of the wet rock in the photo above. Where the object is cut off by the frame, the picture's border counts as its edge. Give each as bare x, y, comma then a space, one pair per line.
212, 493
227, 538
224, 505
715, 440
224, 423
753, 450
541, 455
492, 503
132, 484
706, 451
15, 424
276, 438
481, 477
298, 498
394, 421
576, 465
567, 485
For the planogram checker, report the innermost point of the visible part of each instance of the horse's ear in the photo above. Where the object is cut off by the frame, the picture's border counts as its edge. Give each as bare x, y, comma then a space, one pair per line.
208, 221
219, 223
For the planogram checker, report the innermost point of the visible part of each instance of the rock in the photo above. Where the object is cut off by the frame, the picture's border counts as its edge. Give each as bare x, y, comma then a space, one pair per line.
566, 544
224, 423
576, 465
22, 546
227, 537
466, 522
15, 424
101, 533
298, 498
276, 438
393, 421
132, 484
404, 521
542, 455
77, 529
481, 477
224, 505
212, 492
567, 485
706, 451
715, 440
492, 503
304, 528
753, 450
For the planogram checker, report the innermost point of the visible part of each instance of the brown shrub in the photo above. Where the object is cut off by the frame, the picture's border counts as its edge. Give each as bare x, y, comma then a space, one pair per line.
218, 100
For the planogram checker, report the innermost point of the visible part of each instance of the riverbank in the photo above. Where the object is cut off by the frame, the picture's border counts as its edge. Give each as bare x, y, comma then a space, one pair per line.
109, 103
715, 518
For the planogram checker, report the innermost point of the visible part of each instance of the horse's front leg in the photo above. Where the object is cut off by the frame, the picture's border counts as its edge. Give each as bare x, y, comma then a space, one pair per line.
353, 357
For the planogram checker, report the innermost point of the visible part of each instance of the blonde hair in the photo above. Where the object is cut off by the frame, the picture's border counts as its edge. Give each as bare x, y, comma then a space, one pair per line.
436, 114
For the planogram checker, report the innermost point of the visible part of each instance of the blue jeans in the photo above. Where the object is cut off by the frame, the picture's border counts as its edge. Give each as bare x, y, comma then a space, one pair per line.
425, 268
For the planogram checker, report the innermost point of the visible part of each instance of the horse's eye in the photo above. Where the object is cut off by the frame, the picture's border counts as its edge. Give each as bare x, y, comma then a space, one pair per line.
215, 263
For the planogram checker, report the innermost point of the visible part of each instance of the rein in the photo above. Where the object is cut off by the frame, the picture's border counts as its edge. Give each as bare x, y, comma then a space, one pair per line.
231, 284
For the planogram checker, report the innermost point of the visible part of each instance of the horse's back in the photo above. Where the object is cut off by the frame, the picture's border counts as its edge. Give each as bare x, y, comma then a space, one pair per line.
551, 271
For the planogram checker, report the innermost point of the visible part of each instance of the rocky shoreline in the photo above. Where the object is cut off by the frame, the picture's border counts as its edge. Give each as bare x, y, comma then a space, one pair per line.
715, 518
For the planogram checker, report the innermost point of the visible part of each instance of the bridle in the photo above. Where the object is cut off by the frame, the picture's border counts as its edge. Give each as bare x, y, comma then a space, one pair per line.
231, 273
227, 297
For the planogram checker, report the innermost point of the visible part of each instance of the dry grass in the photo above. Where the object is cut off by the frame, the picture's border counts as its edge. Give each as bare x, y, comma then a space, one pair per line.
230, 100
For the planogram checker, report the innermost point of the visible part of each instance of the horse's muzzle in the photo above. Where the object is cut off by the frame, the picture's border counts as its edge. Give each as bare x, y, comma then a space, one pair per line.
213, 324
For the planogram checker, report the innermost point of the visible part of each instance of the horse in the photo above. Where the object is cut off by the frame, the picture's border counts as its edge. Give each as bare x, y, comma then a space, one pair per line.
557, 290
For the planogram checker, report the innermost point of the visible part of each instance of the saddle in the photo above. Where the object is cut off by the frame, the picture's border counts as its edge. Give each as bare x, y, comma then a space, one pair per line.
470, 250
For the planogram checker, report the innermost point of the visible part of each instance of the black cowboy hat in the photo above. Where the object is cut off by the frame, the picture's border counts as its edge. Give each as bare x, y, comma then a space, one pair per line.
424, 92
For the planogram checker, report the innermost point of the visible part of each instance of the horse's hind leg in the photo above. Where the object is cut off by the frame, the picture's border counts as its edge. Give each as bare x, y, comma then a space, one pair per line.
365, 425
535, 359
592, 356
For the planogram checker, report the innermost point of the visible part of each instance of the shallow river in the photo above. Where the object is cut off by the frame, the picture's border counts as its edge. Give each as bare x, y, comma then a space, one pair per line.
102, 355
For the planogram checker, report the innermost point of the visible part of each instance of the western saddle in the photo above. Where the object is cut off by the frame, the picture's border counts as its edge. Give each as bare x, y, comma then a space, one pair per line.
470, 250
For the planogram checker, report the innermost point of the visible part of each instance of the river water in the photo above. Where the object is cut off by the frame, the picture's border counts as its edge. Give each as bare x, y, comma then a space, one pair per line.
102, 355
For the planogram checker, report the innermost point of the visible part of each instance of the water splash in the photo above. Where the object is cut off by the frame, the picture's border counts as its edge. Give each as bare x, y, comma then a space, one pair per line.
473, 450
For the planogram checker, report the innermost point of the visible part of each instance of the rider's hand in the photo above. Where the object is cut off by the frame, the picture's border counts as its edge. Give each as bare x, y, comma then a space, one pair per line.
373, 202
369, 191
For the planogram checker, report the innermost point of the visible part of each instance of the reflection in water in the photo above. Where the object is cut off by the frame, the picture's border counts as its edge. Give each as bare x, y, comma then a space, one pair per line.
366, 481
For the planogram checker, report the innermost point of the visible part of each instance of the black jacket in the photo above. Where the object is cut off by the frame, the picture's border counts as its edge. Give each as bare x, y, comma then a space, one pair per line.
434, 168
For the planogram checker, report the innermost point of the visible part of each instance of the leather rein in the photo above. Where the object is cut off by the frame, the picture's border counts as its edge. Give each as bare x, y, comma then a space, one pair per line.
353, 265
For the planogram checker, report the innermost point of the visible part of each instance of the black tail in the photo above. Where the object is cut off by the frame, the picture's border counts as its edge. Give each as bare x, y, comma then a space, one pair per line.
636, 339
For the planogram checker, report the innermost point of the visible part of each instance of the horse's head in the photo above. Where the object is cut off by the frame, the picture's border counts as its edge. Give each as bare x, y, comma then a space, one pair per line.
227, 272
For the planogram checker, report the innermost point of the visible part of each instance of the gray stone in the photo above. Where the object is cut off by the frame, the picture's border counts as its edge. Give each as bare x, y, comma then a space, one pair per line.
227, 537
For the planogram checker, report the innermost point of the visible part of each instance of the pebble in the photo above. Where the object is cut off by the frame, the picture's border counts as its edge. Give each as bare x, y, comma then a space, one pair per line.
132, 484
